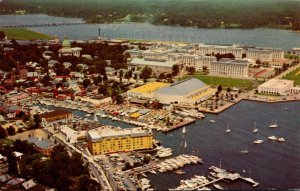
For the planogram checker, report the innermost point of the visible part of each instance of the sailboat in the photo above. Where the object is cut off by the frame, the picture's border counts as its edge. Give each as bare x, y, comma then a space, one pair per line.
185, 145
273, 124
255, 130
95, 118
258, 141
183, 130
227, 128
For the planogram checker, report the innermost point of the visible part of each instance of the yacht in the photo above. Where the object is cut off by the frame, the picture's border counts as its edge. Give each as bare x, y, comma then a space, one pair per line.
183, 130
212, 121
185, 145
273, 124
272, 138
281, 139
179, 172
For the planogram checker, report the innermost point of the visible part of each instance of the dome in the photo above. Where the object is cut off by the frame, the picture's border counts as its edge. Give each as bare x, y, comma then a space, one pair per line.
66, 43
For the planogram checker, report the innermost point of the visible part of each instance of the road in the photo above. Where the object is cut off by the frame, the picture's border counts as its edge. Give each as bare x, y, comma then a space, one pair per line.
287, 71
97, 170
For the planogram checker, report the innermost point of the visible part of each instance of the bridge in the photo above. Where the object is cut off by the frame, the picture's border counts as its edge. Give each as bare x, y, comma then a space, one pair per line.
42, 25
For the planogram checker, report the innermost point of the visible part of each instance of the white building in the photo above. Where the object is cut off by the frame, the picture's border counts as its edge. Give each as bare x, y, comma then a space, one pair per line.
157, 66
276, 86
228, 67
67, 50
204, 49
259, 54
186, 91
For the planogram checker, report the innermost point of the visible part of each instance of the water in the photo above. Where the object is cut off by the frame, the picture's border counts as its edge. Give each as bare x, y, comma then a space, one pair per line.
277, 38
272, 164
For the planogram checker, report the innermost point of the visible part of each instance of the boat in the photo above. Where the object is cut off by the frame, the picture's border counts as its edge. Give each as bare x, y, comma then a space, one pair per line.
217, 186
227, 129
286, 108
281, 139
95, 118
185, 145
259, 141
244, 151
273, 124
183, 130
272, 138
179, 172
212, 121
255, 130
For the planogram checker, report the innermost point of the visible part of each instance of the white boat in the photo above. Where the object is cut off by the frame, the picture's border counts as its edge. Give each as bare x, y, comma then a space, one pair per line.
244, 152
272, 138
227, 128
217, 186
273, 124
185, 145
95, 118
255, 130
281, 139
183, 130
212, 121
259, 141
286, 108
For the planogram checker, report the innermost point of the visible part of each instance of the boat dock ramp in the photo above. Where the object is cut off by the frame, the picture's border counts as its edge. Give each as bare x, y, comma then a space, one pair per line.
216, 174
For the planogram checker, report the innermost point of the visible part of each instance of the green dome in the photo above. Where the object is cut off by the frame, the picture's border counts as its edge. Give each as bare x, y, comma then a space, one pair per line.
66, 43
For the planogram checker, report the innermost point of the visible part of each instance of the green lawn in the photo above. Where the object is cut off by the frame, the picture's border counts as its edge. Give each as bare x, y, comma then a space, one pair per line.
6, 142
25, 34
294, 75
225, 82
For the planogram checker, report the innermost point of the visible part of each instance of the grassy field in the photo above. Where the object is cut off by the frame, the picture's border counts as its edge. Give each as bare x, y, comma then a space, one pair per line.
294, 75
225, 82
25, 34
6, 142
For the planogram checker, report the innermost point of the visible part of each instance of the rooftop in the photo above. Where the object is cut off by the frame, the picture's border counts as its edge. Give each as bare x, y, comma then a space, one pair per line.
183, 87
54, 114
149, 88
41, 143
276, 83
141, 61
98, 134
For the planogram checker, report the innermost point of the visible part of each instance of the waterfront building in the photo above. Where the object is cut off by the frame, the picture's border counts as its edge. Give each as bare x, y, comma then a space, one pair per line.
186, 91
107, 140
276, 87
259, 54
55, 115
147, 90
67, 50
228, 67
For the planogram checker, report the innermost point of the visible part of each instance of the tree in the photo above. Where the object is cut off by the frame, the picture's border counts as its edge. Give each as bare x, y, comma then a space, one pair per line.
11, 130
146, 73
86, 82
175, 70
228, 89
191, 70
121, 73
3, 133
162, 76
46, 80
2, 35
220, 88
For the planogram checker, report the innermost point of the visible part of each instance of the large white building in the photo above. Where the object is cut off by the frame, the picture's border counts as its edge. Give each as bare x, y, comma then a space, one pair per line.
157, 66
203, 49
186, 91
198, 62
228, 67
276, 87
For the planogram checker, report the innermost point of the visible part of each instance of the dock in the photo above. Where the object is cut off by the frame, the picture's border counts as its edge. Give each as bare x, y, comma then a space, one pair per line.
176, 126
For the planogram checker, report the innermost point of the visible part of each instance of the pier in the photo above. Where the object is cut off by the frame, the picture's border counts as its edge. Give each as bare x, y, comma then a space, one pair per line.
171, 128
42, 25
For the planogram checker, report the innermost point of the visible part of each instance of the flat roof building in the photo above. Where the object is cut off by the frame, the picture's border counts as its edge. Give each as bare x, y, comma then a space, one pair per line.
228, 67
107, 140
185, 91
276, 87
146, 91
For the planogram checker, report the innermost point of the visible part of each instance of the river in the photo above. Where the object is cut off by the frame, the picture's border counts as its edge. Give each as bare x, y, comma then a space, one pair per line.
278, 38
272, 164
